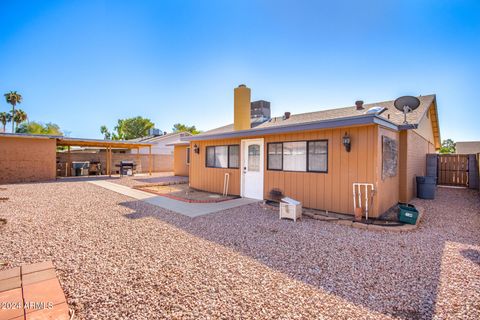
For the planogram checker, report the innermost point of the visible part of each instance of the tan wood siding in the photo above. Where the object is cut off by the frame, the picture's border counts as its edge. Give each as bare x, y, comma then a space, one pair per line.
180, 166
326, 191
388, 187
211, 179
413, 152
332, 190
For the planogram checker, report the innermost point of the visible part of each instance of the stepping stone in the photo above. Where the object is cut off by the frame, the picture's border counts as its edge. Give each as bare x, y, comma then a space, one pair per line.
11, 304
29, 268
39, 276
44, 291
32, 292
59, 312
10, 273
10, 283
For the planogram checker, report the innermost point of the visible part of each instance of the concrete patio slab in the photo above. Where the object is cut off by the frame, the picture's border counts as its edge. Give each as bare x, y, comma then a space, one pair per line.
185, 208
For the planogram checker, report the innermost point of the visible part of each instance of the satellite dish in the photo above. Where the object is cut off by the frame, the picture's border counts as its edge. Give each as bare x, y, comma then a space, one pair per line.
406, 104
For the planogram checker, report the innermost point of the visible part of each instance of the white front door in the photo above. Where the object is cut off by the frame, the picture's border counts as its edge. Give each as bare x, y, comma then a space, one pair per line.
252, 168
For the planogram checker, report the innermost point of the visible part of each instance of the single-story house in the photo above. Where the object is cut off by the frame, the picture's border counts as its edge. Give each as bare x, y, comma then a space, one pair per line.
316, 157
181, 156
467, 147
162, 143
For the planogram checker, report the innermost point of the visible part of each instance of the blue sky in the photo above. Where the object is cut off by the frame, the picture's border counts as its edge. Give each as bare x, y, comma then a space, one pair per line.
85, 63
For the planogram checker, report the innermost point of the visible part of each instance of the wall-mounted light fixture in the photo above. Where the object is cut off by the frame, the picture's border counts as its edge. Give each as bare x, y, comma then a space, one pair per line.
347, 142
196, 149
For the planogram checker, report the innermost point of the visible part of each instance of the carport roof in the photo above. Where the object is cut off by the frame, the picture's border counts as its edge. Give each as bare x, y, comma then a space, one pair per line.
80, 142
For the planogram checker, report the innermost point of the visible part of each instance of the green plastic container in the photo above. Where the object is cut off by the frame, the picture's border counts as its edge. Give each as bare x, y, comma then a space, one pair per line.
407, 214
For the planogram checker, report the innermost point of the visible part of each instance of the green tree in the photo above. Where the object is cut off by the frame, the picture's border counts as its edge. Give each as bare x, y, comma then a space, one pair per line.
106, 134
126, 129
13, 98
19, 117
448, 146
34, 127
179, 127
5, 117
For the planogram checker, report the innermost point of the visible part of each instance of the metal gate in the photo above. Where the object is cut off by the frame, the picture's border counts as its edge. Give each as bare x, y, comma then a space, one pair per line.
453, 169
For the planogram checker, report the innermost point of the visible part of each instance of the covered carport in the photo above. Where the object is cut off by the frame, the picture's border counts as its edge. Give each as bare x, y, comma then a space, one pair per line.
108, 145
33, 157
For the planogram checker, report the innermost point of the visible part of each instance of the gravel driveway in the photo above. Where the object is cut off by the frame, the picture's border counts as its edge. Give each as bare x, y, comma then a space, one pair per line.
122, 259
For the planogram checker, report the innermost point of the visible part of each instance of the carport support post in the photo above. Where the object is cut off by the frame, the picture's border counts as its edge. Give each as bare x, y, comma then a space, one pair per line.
150, 160
110, 161
67, 165
106, 160
138, 158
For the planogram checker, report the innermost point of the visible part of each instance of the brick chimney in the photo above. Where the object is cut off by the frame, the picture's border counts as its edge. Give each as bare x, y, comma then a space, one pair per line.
241, 108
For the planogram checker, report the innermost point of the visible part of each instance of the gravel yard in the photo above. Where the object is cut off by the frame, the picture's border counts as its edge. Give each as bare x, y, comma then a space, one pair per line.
123, 259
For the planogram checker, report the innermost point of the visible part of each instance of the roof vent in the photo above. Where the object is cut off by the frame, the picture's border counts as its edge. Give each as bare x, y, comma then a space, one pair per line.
375, 110
359, 104
286, 115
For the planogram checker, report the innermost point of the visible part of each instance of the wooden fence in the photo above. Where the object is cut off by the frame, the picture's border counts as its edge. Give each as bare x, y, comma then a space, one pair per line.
453, 169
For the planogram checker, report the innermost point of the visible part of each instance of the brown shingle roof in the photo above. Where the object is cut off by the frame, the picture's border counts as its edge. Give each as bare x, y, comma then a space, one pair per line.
391, 114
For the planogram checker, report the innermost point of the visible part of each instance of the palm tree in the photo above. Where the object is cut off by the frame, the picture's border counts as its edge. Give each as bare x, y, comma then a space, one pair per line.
19, 117
5, 117
13, 98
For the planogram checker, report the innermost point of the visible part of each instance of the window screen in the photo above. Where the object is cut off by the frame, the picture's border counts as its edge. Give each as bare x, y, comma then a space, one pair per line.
210, 156
317, 156
223, 156
233, 156
295, 156
275, 156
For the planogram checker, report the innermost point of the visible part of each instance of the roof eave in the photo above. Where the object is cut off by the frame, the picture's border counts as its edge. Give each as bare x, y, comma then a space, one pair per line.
323, 124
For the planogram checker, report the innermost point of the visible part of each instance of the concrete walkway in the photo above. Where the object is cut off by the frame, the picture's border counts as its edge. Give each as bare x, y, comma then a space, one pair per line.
185, 208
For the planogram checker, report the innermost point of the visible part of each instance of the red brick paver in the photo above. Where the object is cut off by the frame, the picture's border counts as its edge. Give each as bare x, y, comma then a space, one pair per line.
32, 292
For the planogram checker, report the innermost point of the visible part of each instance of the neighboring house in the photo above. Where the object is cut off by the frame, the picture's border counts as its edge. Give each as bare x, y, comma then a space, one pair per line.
316, 157
162, 144
181, 156
467, 147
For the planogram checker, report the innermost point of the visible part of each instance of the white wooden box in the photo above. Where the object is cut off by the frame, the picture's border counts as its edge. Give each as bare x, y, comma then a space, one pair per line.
290, 209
